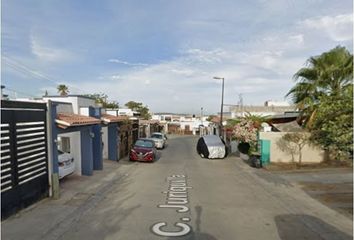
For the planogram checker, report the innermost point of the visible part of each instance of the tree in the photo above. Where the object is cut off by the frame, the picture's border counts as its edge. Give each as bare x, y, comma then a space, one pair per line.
137, 106
101, 98
298, 140
324, 95
333, 125
325, 75
256, 119
63, 90
210, 117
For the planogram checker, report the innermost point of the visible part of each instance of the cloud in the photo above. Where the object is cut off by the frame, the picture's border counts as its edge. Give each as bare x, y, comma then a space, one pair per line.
126, 63
46, 53
188, 78
115, 77
338, 28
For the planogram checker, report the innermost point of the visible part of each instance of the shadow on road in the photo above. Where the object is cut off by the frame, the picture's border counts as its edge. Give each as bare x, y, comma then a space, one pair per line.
197, 234
297, 226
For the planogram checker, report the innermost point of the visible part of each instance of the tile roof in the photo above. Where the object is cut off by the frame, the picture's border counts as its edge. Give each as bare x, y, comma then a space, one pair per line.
107, 118
65, 120
141, 121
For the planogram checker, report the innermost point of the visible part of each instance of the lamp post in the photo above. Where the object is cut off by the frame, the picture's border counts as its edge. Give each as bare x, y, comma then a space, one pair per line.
222, 103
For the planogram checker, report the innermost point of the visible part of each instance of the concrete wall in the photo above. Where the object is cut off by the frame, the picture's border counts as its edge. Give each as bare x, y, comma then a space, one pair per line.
310, 154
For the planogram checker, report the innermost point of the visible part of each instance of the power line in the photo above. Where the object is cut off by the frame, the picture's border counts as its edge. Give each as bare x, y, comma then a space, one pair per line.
17, 66
23, 93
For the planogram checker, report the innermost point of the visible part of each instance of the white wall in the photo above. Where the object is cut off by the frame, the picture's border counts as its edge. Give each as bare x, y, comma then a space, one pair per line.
75, 149
76, 101
105, 142
84, 111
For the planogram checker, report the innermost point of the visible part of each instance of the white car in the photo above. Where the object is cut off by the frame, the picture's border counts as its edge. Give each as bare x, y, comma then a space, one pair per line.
66, 164
159, 139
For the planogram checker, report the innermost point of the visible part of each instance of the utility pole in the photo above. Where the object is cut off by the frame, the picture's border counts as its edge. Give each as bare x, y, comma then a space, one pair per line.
222, 104
241, 104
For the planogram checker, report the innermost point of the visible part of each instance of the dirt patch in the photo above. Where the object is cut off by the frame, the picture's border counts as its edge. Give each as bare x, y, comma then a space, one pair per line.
338, 196
337, 187
307, 166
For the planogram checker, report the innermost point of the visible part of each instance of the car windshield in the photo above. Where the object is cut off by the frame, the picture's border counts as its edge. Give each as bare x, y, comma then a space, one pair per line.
156, 136
144, 143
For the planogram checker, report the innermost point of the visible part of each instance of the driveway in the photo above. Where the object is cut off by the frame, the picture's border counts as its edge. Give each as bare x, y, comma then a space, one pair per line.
180, 196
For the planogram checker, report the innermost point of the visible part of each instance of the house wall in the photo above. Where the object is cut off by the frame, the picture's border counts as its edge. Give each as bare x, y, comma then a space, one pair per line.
105, 142
112, 112
75, 149
310, 154
77, 102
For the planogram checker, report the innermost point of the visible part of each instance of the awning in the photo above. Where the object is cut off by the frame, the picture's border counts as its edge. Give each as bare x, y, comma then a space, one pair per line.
65, 120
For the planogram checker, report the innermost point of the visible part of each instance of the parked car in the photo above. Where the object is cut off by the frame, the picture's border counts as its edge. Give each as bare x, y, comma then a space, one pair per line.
159, 139
211, 146
143, 150
66, 164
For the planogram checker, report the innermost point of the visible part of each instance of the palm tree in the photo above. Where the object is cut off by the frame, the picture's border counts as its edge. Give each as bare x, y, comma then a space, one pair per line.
325, 75
63, 90
256, 119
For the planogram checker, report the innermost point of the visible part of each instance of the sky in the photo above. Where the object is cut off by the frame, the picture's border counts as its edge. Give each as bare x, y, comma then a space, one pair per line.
166, 53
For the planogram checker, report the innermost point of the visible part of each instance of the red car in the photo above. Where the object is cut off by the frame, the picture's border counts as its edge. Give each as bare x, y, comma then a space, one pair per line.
143, 150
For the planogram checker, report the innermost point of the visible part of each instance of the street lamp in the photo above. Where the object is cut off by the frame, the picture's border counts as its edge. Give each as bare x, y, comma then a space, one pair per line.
222, 103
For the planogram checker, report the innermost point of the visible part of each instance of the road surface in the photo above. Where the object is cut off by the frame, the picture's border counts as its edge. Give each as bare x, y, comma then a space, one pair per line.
182, 196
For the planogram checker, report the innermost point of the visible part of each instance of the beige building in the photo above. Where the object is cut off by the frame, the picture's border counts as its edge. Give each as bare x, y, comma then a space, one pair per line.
282, 152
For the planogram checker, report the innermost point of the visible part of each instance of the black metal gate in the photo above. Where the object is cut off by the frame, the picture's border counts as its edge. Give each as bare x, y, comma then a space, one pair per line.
24, 158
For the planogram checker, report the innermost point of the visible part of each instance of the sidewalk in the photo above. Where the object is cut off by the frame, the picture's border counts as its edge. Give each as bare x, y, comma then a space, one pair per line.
49, 219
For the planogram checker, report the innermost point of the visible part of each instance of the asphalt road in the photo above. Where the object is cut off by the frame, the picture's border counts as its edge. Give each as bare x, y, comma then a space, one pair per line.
182, 196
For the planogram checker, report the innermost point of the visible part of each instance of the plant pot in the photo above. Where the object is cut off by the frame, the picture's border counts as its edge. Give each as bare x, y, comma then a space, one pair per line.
243, 147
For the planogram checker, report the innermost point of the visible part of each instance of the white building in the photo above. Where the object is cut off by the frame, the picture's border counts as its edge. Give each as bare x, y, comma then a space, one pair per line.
185, 122
71, 142
270, 108
270, 103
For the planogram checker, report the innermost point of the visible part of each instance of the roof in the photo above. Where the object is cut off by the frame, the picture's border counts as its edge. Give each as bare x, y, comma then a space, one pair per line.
285, 115
69, 95
215, 119
292, 126
107, 118
65, 120
141, 121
